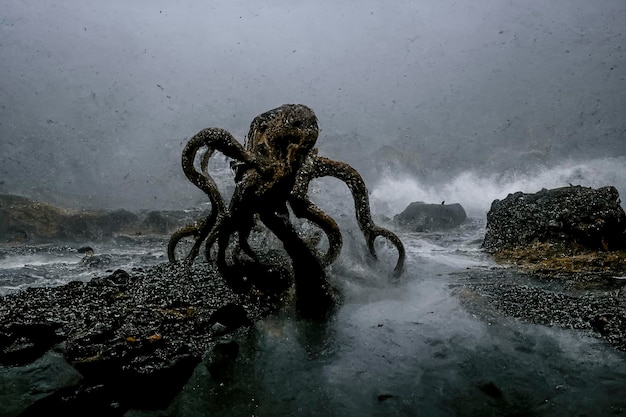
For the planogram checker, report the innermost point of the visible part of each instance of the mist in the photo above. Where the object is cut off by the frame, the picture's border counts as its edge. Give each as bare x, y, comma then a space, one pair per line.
97, 99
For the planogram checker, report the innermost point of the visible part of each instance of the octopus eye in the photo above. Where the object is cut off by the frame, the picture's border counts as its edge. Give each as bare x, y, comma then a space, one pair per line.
297, 123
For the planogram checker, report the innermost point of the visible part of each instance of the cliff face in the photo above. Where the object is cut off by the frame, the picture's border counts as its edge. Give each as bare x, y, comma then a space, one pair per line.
23, 220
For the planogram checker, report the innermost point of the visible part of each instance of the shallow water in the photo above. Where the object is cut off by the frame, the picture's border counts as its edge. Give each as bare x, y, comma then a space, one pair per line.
393, 348
50, 265
410, 349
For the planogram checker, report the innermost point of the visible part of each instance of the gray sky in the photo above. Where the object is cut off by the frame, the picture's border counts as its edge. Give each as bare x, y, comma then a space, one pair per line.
97, 98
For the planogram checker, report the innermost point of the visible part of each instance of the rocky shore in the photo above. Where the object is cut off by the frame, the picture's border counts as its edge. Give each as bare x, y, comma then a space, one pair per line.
563, 261
133, 339
130, 340
594, 303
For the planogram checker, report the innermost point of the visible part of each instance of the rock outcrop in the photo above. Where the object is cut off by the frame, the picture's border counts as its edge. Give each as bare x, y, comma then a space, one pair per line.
567, 246
589, 218
423, 217
570, 228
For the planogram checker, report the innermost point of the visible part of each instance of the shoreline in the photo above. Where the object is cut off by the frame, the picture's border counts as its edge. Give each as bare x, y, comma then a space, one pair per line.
583, 291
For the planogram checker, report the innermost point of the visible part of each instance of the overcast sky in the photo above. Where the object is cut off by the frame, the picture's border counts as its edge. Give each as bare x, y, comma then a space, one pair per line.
98, 97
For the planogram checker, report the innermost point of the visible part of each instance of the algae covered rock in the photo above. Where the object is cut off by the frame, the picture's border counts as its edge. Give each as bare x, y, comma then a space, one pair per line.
567, 217
565, 230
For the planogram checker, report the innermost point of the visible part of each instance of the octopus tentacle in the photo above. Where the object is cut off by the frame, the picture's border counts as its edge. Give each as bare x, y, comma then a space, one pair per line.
220, 140
304, 208
203, 181
243, 229
240, 214
217, 202
183, 232
308, 272
213, 234
243, 232
317, 167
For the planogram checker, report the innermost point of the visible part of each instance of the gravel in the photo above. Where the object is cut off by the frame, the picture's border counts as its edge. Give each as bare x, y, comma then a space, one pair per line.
589, 302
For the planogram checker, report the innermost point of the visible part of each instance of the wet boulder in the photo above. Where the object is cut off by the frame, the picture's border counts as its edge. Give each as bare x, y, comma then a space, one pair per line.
572, 217
21, 343
421, 217
22, 386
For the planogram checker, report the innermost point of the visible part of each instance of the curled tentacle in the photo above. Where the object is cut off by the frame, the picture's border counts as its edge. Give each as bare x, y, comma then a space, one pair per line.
305, 209
203, 181
210, 188
214, 139
185, 231
217, 206
206, 137
243, 229
316, 167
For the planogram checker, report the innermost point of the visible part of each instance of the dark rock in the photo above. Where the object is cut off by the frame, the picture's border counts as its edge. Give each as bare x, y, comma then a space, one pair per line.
606, 323
570, 216
22, 386
421, 217
229, 317
23, 343
119, 277
23, 220
87, 250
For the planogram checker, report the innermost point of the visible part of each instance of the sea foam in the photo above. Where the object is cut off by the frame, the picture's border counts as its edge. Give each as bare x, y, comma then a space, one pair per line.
476, 191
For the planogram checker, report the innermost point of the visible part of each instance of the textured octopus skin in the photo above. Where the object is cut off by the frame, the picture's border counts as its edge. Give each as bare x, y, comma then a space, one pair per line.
273, 169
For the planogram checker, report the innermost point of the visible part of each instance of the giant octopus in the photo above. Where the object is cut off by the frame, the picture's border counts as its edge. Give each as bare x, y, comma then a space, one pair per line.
272, 169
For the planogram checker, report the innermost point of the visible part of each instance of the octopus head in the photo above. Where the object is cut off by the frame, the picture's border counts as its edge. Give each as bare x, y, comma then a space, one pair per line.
287, 133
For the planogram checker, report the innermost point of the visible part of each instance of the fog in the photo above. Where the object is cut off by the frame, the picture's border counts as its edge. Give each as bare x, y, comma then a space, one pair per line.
460, 101
97, 98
